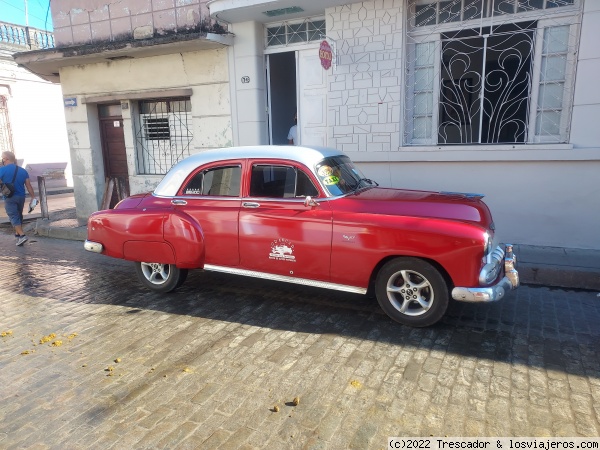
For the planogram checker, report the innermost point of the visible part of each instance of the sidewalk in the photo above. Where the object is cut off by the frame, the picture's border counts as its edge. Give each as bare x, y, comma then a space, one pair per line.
62, 223
558, 267
537, 265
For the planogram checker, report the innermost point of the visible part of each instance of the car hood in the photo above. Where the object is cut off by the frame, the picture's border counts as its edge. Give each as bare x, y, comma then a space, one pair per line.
404, 202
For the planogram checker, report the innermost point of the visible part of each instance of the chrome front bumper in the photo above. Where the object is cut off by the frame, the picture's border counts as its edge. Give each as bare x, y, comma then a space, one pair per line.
491, 270
93, 246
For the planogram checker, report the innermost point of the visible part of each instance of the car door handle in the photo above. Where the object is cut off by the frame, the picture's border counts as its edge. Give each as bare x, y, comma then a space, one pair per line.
178, 202
251, 205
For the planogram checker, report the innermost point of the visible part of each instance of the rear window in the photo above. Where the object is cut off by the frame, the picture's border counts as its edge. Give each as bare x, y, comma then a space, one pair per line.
219, 181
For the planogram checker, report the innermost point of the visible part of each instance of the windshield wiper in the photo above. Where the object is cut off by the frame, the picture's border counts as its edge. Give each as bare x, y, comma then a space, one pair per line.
360, 181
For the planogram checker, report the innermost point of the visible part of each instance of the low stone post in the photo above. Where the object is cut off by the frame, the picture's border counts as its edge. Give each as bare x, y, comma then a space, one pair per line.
43, 197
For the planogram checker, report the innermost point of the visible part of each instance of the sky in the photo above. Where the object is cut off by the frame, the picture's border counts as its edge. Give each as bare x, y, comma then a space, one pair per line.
13, 11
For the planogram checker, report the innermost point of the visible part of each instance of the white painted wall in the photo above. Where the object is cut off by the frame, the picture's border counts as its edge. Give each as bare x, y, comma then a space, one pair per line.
36, 115
539, 195
585, 132
249, 106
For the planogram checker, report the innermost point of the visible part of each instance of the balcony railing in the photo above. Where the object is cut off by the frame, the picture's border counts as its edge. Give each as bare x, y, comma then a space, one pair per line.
26, 37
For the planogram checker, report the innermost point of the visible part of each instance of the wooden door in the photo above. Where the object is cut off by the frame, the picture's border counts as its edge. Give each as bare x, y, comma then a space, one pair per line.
114, 153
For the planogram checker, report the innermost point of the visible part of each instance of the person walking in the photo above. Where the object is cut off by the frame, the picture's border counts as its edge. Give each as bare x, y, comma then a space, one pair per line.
15, 204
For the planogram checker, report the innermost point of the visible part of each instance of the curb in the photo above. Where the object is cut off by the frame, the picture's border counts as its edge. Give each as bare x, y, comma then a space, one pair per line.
567, 277
74, 234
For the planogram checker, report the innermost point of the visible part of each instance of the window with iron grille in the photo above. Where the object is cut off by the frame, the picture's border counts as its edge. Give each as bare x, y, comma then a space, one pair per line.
490, 71
287, 33
163, 134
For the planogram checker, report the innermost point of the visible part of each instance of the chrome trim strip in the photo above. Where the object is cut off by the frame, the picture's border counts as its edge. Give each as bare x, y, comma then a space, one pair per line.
91, 246
510, 262
270, 276
464, 194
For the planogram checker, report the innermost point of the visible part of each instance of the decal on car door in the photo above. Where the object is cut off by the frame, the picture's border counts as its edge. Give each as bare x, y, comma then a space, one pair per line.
282, 250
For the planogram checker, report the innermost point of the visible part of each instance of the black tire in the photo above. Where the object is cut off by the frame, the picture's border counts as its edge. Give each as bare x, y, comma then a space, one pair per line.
183, 273
160, 277
412, 291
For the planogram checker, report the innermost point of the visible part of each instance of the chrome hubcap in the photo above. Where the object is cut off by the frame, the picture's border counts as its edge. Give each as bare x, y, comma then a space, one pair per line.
155, 273
410, 292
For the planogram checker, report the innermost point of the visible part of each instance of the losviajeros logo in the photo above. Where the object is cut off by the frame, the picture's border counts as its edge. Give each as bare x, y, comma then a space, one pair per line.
282, 250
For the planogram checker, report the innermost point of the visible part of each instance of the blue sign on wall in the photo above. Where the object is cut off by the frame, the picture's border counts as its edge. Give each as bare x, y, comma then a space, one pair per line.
71, 101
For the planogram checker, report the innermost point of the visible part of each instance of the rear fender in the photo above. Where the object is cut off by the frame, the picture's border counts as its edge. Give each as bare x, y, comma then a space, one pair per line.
185, 235
165, 236
127, 234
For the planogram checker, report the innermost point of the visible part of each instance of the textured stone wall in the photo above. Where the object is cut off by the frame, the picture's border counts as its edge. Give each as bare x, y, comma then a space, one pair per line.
364, 92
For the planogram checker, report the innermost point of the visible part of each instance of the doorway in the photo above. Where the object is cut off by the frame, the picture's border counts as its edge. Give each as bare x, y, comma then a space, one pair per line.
282, 95
114, 153
297, 84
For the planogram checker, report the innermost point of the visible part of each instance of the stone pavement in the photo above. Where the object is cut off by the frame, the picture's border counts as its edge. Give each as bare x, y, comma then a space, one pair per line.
90, 359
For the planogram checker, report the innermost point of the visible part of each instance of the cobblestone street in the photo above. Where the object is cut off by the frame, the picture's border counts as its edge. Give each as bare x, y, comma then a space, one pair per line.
209, 365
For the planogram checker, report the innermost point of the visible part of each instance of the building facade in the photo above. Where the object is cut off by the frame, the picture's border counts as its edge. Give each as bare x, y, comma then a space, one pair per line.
32, 121
490, 96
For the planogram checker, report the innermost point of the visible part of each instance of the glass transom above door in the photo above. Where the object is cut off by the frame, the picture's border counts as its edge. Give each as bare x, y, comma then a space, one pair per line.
286, 33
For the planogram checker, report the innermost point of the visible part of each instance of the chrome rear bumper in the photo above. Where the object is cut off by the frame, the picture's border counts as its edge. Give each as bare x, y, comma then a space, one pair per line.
93, 246
497, 291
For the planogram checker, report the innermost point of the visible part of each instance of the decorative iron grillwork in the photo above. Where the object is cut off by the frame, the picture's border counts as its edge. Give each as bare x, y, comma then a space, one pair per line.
489, 71
288, 33
485, 82
163, 135
435, 12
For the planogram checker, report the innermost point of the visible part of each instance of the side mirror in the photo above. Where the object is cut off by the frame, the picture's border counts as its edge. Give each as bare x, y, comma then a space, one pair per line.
309, 201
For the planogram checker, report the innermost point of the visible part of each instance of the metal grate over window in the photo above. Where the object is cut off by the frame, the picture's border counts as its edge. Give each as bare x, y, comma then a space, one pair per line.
288, 33
164, 134
490, 71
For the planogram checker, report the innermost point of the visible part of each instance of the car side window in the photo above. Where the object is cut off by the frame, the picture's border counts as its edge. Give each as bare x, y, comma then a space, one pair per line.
219, 181
280, 182
304, 186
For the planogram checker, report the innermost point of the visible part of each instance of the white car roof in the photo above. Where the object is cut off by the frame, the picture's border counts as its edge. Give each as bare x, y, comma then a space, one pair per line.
307, 155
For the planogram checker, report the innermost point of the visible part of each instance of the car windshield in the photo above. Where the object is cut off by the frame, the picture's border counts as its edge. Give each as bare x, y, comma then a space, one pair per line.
340, 176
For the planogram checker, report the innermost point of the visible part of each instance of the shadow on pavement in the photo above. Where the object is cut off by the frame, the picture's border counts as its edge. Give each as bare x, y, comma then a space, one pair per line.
539, 327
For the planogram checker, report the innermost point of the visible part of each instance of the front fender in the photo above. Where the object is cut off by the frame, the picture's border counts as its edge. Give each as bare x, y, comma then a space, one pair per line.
185, 235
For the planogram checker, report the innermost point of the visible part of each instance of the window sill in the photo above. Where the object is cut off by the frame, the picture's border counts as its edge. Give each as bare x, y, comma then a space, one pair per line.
535, 152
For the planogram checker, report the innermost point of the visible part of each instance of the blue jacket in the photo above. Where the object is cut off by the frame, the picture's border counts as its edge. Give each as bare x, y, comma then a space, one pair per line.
6, 175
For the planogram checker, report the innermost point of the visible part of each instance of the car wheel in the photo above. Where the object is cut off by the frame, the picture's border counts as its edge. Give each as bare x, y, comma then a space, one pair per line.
160, 277
412, 291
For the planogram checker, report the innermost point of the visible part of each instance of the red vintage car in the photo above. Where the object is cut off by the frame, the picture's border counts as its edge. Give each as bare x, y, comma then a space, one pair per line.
307, 215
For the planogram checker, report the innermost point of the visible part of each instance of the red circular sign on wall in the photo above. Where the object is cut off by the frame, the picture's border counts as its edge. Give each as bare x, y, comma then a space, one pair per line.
325, 55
